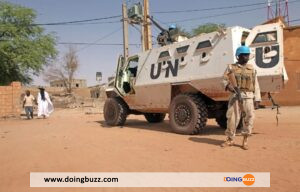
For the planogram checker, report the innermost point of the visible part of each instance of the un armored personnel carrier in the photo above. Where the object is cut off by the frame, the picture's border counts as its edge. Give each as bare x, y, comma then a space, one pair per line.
184, 79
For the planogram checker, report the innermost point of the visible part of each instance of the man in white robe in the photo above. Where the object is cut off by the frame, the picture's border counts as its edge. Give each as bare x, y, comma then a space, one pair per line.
45, 106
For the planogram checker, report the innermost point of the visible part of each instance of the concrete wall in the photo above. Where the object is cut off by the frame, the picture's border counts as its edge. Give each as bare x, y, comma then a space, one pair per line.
55, 91
51, 90
291, 93
76, 83
10, 103
82, 92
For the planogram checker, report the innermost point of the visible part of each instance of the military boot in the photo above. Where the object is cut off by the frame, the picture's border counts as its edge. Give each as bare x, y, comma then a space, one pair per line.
228, 142
245, 143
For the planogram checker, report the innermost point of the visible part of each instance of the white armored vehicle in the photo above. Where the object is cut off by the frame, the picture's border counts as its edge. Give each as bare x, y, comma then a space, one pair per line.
184, 79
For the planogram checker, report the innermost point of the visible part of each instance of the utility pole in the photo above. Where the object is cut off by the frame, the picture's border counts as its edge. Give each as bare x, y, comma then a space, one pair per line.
146, 28
281, 10
125, 32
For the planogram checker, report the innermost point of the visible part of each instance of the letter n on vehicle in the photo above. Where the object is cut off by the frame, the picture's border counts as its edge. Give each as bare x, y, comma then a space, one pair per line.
173, 69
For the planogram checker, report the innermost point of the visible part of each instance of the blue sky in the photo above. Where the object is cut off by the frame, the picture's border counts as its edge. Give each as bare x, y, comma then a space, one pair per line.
103, 58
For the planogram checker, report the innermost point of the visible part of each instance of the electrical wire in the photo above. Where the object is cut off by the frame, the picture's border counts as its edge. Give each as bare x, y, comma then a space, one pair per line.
138, 30
73, 24
216, 15
208, 9
100, 44
294, 20
100, 39
86, 21
94, 23
79, 21
223, 14
212, 8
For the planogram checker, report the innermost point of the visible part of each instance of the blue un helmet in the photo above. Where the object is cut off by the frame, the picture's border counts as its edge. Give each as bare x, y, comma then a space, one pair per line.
172, 26
242, 50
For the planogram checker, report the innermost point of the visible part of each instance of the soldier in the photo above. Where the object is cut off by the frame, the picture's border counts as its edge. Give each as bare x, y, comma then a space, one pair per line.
240, 79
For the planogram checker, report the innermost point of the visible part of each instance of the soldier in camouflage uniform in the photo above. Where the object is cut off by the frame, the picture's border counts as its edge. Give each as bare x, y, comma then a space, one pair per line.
244, 93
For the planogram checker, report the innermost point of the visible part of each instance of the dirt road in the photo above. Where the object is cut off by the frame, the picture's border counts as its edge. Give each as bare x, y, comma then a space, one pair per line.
70, 141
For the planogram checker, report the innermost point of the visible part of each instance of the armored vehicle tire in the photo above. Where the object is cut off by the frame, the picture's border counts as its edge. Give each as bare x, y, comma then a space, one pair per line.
222, 121
115, 111
155, 117
188, 114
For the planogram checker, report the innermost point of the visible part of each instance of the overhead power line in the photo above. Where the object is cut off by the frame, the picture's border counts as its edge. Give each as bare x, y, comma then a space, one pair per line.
88, 21
93, 23
79, 21
216, 15
100, 39
209, 9
224, 14
101, 44
294, 20
71, 24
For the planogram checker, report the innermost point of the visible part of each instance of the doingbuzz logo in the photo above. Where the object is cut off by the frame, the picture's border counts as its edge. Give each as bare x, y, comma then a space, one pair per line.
248, 179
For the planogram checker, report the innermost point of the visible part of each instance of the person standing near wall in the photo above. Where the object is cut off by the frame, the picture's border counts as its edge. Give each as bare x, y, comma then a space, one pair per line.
45, 106
28, 104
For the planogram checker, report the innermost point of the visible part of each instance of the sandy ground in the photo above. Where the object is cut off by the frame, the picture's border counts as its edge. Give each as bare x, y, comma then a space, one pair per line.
70, 141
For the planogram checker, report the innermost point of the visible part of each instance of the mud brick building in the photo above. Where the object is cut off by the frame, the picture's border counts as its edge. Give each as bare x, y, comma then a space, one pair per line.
76, 83
10, 102
290, 95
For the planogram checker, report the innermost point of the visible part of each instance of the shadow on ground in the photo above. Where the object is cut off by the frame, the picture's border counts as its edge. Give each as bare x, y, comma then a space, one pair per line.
215, 142
162, 127
206, 140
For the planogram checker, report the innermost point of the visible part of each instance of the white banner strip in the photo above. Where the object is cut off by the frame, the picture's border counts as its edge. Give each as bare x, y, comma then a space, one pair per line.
150, 179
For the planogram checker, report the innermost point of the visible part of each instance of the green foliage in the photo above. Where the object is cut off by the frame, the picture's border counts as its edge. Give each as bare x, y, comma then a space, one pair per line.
207, 28
24, 47
183, 32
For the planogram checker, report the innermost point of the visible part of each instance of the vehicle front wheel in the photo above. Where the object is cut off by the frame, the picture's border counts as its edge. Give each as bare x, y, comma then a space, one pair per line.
115, 111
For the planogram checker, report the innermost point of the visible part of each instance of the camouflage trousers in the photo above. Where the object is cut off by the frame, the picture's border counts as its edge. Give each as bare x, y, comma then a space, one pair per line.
234, 116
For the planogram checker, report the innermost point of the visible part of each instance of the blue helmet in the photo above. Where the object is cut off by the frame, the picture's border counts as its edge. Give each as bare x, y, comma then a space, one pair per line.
172, 26
242, 50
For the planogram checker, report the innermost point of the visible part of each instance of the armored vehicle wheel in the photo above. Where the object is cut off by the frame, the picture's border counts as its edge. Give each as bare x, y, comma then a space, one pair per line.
155, 117
188, 114
115, 111
222, 121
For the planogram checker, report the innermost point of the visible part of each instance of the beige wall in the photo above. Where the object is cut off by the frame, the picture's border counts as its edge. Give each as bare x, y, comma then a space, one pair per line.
291, 93
80, 83
10, 103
